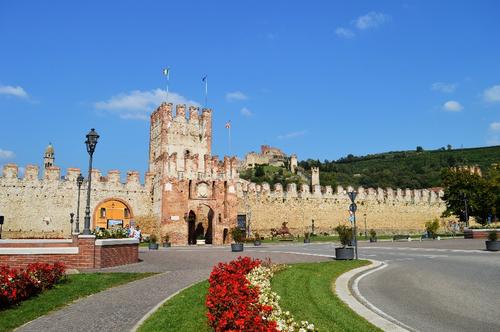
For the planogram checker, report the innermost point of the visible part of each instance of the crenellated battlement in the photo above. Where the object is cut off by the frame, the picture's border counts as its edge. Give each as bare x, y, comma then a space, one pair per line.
205, 168
52, 175
382, 195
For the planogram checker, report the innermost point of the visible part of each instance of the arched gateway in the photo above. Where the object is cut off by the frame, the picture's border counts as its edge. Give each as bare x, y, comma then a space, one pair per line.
112, 212
200, 224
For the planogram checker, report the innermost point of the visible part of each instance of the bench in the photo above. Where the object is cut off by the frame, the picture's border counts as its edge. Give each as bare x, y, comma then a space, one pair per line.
401, 237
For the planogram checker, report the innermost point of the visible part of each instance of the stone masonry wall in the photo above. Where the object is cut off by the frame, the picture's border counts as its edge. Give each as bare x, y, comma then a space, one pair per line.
36, 207
387, 210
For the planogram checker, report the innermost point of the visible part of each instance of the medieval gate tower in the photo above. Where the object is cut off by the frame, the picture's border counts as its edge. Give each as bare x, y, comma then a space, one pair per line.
193, 192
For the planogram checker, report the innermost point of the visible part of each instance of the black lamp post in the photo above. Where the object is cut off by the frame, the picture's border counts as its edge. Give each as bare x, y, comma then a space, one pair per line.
353, 207
91, 142
366, 234
71, 215
466, 211
79, 182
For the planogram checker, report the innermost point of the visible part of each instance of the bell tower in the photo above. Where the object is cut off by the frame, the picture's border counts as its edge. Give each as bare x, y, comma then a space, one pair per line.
48, 157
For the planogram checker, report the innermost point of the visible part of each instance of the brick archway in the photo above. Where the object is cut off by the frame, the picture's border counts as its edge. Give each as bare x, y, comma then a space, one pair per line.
112, 211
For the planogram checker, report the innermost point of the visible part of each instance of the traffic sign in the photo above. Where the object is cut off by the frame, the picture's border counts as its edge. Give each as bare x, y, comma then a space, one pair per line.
353, 207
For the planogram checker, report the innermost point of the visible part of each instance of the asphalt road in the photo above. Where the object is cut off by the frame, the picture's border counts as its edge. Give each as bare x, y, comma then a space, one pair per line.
448, 285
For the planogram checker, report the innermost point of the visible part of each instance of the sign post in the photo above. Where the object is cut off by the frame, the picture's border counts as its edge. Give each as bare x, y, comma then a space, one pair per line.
353, 207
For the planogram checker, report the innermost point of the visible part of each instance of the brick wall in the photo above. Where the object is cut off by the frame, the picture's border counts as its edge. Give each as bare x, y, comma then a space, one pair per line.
82, 252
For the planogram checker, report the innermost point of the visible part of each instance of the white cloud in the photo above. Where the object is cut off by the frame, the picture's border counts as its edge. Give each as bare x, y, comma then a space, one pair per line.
452, 106
235, 96
495, 126
15, 91
371, 20
293, 134
494, 134
344, 33
444, 87
6, 154
492, 94
246, 112
137, 105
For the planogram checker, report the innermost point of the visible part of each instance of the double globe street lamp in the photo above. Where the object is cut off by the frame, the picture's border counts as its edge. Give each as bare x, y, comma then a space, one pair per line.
352, 208
91, 143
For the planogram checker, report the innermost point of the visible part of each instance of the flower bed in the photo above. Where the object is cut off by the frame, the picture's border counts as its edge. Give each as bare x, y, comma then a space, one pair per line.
18, 285
240, 299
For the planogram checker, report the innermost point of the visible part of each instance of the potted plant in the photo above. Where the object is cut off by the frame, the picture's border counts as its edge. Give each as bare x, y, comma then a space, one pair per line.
492, 244
432, 227
373, 235
200, 239
307, 237
166, 242
345, 236
257, 242
237, 234
153, 245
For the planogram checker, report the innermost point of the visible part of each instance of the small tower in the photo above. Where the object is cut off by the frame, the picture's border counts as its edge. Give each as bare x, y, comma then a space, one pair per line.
314, 176
48, 157
293, 163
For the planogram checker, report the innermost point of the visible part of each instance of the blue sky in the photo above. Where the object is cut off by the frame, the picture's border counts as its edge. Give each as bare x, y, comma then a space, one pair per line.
322, 79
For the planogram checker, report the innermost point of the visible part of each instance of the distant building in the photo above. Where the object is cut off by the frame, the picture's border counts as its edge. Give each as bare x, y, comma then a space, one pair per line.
270, 156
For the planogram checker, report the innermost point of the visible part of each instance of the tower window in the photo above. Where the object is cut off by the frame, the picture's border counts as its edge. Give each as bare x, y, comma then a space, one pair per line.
102, 212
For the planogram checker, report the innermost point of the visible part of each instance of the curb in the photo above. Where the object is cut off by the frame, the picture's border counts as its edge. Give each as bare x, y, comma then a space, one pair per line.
351, 296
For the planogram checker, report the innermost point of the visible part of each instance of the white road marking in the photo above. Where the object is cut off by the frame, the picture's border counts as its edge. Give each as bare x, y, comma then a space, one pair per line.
368, 304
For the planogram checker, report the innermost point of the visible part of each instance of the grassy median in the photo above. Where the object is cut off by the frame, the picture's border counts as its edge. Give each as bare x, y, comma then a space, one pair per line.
71, 288
305, 290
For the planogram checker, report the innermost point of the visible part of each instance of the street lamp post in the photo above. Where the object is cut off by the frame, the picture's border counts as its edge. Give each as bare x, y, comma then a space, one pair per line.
71, 215
366, 234
353, 207
91, 142
466, 211
79, 182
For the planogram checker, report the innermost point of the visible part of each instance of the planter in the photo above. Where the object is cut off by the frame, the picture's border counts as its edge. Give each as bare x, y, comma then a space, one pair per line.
493, 245
307, 240
344, 253
256, 243
200, 242
153, 246
166, 245
373, 239
236, 247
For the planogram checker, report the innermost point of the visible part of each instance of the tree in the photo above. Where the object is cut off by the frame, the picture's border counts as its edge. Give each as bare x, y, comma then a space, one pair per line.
448, 147
420, 149
481, 195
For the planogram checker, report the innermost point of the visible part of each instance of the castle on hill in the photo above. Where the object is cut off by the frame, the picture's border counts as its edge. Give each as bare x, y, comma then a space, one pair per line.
189, 194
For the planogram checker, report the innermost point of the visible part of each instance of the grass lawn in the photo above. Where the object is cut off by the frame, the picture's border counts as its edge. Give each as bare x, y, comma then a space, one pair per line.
70, 289
305, 290
183, 312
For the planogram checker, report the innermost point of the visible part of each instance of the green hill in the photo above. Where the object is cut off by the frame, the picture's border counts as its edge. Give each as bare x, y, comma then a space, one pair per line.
400, 169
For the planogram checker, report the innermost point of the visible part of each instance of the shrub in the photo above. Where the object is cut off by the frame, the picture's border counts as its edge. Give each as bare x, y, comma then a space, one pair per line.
257, 236
153, 238
166, 238
16, 286
307, 235
432, 227
233, 305
345, 234
492, 236
113, 233
237, 234
373, 234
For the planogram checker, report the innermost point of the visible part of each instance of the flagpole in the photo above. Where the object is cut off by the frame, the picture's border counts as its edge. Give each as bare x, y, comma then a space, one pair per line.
168, 81
206, 91
229, 133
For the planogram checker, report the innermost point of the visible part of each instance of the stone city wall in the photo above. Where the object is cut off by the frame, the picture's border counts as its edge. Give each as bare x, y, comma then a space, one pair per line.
35, 207
387, 210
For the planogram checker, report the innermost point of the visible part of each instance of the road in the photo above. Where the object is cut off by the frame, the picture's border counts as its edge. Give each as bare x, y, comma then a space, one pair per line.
448, 285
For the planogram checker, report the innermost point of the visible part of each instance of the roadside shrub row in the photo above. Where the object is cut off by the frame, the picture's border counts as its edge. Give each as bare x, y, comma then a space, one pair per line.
18, 285
240, 299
